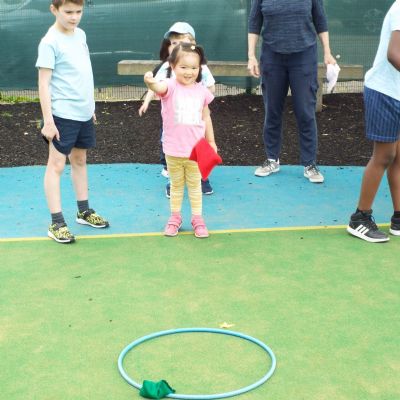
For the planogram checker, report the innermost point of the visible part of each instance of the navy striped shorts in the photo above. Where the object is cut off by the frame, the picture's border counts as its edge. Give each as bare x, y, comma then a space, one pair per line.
382, 116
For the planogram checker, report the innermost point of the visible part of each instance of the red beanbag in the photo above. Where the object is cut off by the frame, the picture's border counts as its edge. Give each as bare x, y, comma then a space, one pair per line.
205, 156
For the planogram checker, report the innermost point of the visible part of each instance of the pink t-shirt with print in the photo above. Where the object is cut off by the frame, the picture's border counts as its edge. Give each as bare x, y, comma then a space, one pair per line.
182, 109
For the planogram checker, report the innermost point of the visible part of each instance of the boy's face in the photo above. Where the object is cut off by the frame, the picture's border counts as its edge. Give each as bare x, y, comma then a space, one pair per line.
176, 39
67, 16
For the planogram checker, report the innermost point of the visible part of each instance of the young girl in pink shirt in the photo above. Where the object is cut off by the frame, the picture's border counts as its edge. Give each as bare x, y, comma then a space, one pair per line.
185, 114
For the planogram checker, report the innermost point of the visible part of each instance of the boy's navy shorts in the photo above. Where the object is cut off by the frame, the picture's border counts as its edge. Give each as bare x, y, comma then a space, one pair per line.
382, 116
73, 133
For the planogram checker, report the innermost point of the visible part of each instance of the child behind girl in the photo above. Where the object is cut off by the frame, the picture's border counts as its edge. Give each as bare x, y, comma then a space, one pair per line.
179, 32
185, 115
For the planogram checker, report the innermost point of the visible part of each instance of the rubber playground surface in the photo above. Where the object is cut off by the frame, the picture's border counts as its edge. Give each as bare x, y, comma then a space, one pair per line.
278, 266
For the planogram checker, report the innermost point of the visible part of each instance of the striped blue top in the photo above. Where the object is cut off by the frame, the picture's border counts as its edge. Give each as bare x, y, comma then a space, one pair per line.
288, 26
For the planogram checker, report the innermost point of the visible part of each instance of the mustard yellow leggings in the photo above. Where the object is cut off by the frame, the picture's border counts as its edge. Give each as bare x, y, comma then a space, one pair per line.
184, 171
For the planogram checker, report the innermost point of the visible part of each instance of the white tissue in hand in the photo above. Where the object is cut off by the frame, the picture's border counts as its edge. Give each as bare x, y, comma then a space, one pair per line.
332, 74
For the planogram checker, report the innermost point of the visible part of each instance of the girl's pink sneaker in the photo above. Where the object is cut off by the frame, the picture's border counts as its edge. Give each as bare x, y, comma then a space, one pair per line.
173, 225
199, 227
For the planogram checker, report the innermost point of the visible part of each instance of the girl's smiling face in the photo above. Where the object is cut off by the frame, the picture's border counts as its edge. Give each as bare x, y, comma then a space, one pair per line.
187, 68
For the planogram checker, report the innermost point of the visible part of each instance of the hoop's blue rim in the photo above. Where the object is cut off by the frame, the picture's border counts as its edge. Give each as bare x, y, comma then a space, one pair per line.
208, 330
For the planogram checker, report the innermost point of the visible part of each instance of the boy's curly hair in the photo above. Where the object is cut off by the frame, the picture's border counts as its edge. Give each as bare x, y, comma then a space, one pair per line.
187, 48
58, 3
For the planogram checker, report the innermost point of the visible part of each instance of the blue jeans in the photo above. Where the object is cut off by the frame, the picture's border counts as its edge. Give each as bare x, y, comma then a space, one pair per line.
299, 72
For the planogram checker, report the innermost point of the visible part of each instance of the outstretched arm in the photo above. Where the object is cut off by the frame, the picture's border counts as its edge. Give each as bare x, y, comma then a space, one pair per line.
159, 87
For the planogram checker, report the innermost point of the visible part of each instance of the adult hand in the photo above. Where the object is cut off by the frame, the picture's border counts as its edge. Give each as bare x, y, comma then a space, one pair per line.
329, 59
252, 67
50, 131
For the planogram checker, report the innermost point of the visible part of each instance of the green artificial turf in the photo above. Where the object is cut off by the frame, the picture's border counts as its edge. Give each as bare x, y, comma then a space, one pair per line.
327, 305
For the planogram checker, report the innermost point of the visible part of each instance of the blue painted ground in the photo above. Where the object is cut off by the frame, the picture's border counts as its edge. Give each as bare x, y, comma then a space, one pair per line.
132, 197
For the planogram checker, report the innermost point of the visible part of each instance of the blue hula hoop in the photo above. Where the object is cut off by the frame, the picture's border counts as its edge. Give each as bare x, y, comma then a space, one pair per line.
209, 330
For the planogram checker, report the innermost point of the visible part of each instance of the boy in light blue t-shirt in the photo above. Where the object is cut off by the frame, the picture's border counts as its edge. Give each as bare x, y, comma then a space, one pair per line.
66, 92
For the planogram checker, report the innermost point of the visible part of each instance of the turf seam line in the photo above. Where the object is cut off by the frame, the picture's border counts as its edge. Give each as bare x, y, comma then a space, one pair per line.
216, 232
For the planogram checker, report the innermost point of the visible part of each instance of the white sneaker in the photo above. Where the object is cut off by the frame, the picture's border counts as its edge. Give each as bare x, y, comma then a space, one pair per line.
269, 166
313, 174
164, 172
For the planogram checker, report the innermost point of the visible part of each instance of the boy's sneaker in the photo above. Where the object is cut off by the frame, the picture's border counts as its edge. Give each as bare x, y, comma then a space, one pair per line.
313, 174
395, 226
173, 225
60, 233
206, 187
363, 226
269, 167
164, 172
199, 227
168, 190
89, 217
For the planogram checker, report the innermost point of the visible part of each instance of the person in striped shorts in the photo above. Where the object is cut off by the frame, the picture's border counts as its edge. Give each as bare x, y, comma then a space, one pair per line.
382, 124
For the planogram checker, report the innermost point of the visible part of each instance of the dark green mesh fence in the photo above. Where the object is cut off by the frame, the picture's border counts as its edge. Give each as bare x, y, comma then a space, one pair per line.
133, 29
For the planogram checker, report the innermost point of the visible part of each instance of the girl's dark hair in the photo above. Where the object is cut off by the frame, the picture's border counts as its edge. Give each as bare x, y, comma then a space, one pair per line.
187, 48
164, 53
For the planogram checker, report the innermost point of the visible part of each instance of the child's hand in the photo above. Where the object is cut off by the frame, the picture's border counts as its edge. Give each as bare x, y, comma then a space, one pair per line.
143, 108
159, 87
214, 146
50, 131
148, 78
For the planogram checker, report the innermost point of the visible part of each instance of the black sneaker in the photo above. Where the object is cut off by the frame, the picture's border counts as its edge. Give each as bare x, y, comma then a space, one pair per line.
206, 187
168, 190
395, 226
363, 226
